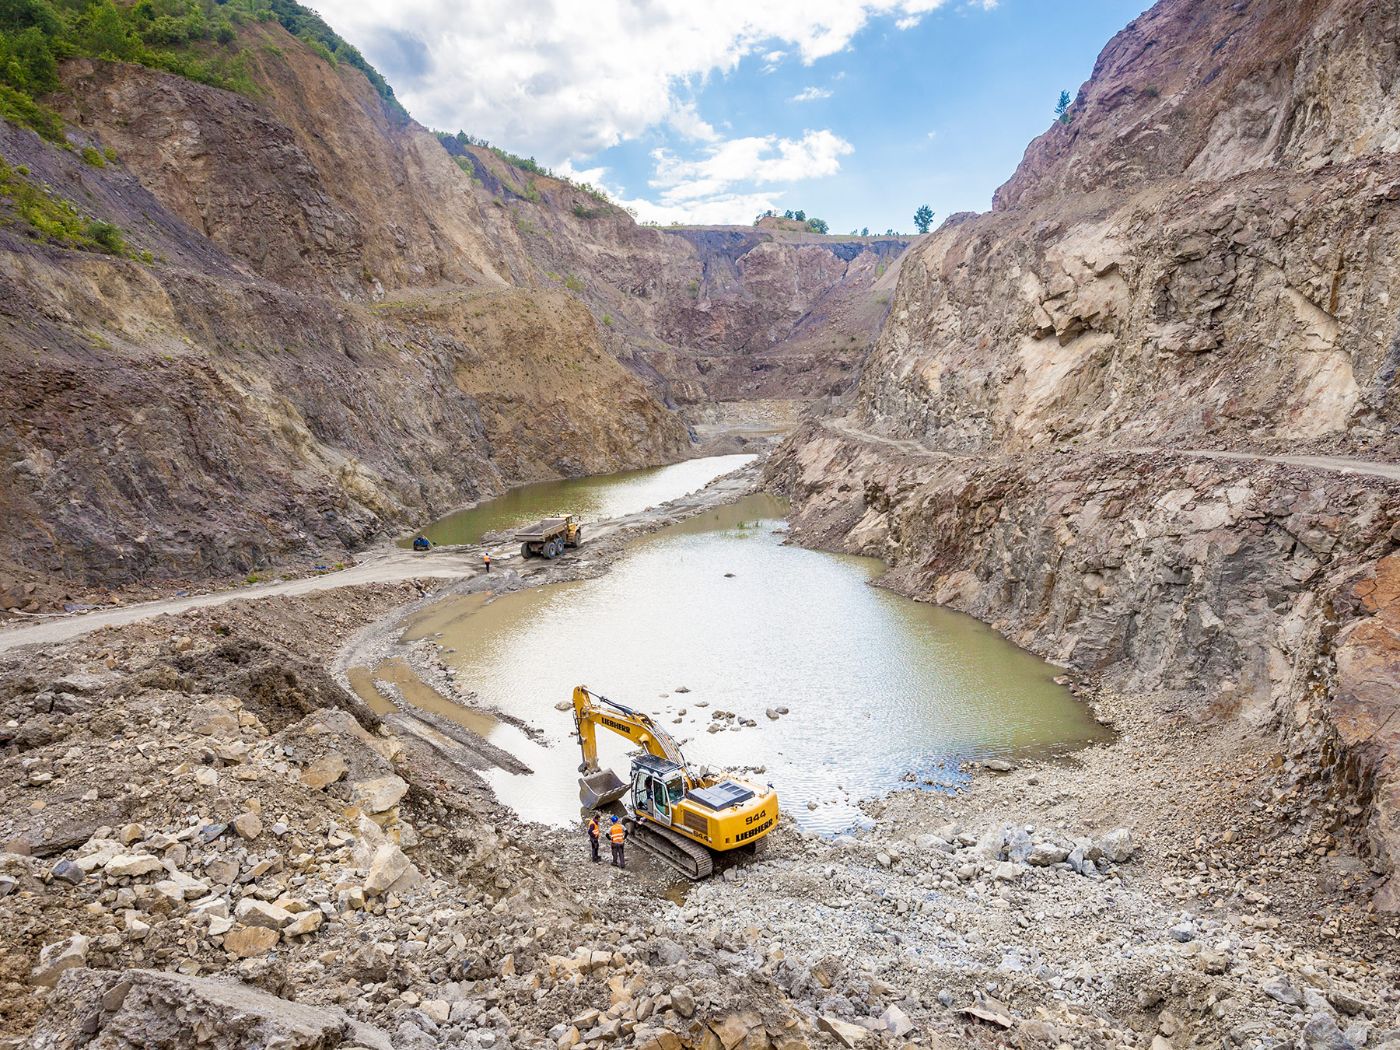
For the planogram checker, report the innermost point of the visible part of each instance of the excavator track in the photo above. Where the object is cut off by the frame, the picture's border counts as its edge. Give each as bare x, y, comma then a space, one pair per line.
691, 859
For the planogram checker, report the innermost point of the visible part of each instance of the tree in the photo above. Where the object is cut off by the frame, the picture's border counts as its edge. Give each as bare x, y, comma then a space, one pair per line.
1062, 107
923, 218
818, 225
865, 231
800, 216
788, 214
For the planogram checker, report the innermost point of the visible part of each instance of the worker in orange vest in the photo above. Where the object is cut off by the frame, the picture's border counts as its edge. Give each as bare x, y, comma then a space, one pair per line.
595, 832
617, 835
486, 560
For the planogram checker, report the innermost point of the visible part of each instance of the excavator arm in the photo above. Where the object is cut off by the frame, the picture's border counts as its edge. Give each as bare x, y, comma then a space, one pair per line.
592, 710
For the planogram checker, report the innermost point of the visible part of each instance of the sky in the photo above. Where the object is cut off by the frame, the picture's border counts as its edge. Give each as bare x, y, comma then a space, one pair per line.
713, 111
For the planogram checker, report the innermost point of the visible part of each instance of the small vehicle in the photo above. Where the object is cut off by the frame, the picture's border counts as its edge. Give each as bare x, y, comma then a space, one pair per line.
549, 538
422, 543
684, 818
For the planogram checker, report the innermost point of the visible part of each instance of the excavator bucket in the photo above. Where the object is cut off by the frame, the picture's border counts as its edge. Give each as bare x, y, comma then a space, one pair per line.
600, 789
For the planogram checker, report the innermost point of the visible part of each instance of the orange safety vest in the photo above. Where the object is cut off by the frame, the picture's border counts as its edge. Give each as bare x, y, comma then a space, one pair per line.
486, 558
617, 833
594, 831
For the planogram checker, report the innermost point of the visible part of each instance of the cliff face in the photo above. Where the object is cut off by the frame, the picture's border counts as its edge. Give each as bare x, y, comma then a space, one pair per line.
326, 328
1202, 260
706, 314
312, 339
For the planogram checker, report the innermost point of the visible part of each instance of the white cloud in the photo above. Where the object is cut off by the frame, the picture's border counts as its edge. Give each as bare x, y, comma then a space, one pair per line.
811, 94
756, 158
560, 78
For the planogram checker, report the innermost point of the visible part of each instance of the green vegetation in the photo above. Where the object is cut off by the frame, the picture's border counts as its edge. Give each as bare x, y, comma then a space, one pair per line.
94, 156
53, 219
572, 283
607, 320
923, 218
195, 39
813, 224
1062, 108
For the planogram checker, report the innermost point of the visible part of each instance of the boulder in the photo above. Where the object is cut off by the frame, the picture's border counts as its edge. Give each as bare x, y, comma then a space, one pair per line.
847, 1034
149, 1008
248, 825
244, 942
378, 795
253, 912
387, 867
1043, 854
1322, 1033
325, 771
683, 1001
55, 958
649, 1039
132, 865
307, 922
1117, 845
896, 1022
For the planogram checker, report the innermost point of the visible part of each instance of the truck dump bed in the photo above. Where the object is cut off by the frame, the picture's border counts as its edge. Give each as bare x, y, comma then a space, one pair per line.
541, 530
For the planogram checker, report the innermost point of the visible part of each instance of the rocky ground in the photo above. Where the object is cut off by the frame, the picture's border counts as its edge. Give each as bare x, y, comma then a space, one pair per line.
203, 825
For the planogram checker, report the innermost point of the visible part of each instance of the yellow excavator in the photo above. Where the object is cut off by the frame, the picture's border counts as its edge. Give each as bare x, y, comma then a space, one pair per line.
682, 817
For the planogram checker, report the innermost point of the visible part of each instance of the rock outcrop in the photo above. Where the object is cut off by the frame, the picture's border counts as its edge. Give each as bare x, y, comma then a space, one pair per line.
325, 327
1066, 425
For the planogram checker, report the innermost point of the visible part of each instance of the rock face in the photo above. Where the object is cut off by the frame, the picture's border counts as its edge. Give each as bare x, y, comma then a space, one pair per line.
1066, 424
247, 392
149, 1008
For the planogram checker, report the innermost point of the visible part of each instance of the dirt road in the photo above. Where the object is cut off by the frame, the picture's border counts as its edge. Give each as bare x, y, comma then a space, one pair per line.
1332, 464
386, 564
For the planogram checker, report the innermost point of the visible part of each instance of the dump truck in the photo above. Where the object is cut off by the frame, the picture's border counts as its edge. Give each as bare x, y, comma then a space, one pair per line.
685, 818
548, 538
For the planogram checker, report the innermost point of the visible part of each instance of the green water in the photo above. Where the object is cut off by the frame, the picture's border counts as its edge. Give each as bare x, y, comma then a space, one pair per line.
878, 686
593, 498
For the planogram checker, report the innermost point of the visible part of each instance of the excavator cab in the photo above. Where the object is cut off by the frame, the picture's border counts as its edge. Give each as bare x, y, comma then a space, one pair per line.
657, 786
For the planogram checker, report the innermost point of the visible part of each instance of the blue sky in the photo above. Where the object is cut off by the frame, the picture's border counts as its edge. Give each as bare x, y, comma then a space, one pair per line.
854, 110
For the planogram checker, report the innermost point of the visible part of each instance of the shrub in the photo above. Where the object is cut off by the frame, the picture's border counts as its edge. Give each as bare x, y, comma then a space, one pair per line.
51, 218
92, 155
106, 237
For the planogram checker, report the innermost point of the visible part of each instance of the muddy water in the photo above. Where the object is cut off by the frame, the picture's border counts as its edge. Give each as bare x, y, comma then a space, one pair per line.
593, 498
878, 687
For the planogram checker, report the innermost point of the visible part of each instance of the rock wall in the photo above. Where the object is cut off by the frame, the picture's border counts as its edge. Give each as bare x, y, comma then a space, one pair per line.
706, 314
327, 328
224, 396
1168, 276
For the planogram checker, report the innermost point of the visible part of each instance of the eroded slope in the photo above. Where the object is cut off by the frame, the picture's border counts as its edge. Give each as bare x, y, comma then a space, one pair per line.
1163, 276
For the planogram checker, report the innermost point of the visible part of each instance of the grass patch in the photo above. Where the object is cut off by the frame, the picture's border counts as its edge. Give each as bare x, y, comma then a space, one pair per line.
195, 39
50, 218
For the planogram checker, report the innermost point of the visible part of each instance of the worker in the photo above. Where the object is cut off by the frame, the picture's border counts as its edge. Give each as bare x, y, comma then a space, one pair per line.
595, 832
486, 560
617, 835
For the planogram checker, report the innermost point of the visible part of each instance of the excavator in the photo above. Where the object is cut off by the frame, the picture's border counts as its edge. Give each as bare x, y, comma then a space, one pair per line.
683, 817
